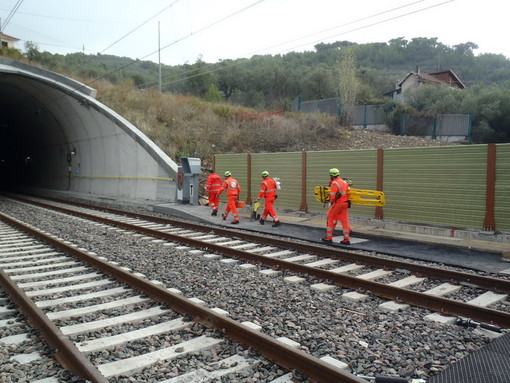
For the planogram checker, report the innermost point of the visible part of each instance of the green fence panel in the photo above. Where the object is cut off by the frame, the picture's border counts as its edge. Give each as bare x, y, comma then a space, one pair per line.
502, 195
238, 165
358, 165
443, 186
286, 167
436, 185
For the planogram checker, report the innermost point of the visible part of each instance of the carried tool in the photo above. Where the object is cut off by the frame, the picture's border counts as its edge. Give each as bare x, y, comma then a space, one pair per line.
468, 322
254, 216
358, 197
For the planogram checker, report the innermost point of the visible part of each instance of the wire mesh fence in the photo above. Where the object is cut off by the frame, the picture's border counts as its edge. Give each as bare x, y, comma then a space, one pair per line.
449, 127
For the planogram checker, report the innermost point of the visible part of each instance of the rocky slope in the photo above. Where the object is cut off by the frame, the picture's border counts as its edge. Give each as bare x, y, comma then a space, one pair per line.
364, 139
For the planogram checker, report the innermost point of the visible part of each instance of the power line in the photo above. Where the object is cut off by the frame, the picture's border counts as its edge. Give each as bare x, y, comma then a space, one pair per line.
127, 34
59, 18
244, 9
194, 33
329, 29
209, 26
183, 38
11, 14
297, 39
339, 26
81, 20
46, 36
378, 22
139, 26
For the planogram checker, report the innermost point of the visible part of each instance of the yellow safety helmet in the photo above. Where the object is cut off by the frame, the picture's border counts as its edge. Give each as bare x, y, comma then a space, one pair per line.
334, 172
265, 173
227, 173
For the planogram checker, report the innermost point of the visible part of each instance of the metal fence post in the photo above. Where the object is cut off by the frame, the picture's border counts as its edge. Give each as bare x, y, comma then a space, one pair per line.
434, 127
470, 127
380, 173
304, 206
248, 177
489, 222
365, 117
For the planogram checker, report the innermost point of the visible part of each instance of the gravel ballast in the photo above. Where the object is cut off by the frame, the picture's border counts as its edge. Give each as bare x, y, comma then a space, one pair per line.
371, 341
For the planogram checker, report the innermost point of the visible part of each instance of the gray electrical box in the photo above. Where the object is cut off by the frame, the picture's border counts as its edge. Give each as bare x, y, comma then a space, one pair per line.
191, 169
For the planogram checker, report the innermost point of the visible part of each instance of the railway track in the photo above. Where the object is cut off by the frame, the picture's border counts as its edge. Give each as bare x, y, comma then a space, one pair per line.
328, 264
32, 272
297, 262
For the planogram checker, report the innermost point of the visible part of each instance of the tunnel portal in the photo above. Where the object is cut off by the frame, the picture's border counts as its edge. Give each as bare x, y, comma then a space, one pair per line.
55, 135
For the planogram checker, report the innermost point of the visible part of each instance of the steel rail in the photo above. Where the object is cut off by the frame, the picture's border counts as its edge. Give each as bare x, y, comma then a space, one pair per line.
455, 277
274, 350
438, 304
67, 353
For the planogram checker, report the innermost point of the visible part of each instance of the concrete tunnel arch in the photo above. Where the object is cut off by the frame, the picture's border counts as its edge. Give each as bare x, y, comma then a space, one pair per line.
55, 135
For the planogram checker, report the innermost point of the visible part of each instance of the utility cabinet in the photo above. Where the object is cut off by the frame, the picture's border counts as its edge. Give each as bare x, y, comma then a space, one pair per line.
188, 180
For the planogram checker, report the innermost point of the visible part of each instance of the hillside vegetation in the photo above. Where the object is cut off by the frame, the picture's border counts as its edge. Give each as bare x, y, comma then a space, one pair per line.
190, 127
272, 82
245, 105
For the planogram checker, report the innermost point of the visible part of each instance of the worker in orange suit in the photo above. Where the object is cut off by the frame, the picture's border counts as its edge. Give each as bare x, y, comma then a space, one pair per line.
268, 191
339, 205
233, 190
212, 187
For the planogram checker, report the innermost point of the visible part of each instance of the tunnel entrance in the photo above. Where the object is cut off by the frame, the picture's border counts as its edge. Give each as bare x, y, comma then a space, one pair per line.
55, 135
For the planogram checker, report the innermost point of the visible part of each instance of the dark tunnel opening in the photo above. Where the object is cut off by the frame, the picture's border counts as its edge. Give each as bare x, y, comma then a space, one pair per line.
17, 119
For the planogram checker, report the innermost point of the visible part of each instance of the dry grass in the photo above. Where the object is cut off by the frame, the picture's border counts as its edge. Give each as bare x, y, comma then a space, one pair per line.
190, 127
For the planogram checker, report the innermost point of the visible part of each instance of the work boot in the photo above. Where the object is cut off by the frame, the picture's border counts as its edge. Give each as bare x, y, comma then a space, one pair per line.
224, 217
215, 212
345, 242
327, 241
234, 222
276, 224
262, 221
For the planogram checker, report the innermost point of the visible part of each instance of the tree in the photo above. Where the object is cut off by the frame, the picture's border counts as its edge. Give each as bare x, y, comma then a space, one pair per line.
348, 84
465, 49
199, 78
213, 94
32, 51
489, 108
230, 77
435, 98
319, 84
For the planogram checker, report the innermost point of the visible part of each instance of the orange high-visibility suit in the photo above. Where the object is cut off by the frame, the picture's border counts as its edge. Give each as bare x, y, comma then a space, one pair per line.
213, 186
268, 191
233, 191
338, 211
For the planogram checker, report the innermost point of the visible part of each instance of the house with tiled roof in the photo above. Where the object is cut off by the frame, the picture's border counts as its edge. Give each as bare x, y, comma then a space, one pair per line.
414, 80
7, 41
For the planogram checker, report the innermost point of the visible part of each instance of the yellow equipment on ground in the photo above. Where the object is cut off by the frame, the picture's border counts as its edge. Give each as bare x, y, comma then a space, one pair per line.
356, 196
254, 216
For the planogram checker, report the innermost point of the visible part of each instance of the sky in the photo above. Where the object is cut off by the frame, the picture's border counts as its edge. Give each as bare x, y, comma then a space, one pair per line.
176, 32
